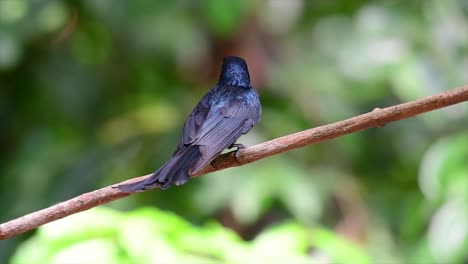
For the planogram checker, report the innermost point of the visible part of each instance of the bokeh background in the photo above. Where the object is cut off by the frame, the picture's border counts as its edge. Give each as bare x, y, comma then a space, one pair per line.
94, 92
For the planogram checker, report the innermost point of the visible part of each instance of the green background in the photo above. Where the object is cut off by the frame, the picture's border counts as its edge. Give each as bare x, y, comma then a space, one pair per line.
94, 92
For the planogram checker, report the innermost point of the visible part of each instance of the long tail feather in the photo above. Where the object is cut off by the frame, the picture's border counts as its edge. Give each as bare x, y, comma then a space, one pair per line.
175, 171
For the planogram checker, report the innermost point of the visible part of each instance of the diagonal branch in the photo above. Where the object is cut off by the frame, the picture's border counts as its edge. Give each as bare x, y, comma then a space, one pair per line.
376, 118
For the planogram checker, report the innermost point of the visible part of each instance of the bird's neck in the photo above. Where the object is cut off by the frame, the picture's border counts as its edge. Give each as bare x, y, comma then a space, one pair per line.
238, 82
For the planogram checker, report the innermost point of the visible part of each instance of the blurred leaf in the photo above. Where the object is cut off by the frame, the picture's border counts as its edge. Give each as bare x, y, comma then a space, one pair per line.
153, 236
10, 50
13, 10
450, 222
224, 17
281, 241
444, 169
340, 250
91, 44
158, 117
52, 16
63, 241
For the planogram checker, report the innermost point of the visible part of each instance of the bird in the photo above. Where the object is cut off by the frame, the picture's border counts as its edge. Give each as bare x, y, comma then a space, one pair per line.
229, 110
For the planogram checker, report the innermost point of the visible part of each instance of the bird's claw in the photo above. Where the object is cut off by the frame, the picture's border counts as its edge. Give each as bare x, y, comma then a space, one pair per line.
236, 145
236, 152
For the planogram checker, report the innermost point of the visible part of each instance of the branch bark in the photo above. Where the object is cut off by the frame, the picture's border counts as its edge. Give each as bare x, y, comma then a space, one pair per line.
376, 118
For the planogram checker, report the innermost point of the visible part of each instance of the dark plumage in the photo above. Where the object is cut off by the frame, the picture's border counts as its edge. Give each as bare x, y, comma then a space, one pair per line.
227, 111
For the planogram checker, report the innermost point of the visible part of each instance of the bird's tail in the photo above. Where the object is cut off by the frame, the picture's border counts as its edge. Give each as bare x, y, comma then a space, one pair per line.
175, 171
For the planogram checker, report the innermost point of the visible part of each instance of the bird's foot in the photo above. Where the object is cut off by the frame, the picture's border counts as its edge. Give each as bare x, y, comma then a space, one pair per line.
236, 145
236, 152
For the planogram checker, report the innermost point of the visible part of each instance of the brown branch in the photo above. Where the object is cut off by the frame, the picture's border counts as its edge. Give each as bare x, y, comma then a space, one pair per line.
376, 118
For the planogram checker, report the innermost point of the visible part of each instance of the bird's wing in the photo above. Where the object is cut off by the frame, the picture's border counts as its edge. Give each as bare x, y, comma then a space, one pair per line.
221, 129
195, 122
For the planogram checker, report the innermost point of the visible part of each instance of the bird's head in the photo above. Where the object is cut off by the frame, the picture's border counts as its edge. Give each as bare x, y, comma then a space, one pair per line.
234, 72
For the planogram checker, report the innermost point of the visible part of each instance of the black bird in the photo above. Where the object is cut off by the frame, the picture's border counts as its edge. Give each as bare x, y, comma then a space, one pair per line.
227, 111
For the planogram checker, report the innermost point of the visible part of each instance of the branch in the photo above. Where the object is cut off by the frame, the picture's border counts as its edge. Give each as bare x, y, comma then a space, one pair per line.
376, 118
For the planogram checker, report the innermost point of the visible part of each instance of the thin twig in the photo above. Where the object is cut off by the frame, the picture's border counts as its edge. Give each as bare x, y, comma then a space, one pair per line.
376, 118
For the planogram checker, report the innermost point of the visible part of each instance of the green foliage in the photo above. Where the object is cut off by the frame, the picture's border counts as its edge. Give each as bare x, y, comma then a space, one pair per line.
149, 235
224, 17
